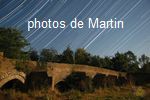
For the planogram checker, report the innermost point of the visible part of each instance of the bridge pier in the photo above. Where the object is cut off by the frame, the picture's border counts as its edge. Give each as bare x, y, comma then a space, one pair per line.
1, 55
53, 83
90, 75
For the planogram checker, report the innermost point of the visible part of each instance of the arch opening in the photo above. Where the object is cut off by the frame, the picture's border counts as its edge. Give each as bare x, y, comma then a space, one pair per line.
98, 80
76, 81
101, 80
63, 86
14, 84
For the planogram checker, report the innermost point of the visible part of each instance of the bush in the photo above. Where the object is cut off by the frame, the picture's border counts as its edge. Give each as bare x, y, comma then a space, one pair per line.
21, 66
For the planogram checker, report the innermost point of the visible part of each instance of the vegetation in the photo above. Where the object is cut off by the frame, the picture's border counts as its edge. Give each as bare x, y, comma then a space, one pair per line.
34, 55
126, 62
22, 66
67, 56
11, 42
126, 93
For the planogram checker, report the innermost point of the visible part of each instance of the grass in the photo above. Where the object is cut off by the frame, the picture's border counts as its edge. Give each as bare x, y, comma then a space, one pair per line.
114, 93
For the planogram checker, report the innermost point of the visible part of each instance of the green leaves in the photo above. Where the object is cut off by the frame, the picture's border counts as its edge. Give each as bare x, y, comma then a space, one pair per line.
67, 56
11, 42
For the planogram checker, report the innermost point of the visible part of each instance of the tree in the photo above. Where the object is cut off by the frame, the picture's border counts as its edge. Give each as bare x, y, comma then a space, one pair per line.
49, 55
146, 68
144, 60
11, 42
82, 57
125, 62
145, 64
119, 62
95, 61
107, 63
67, 56
34, 55
132, 62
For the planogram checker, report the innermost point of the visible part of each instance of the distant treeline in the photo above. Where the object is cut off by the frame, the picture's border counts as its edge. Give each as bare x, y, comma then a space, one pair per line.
12, 43
127, 62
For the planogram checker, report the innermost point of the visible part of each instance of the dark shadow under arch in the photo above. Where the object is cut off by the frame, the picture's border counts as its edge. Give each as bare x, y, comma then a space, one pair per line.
77, 81
14, 84
63, 86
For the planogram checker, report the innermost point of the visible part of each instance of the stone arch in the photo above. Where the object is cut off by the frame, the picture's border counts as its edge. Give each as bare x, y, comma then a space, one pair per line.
14, 84
98, 80
76, 80
12, 77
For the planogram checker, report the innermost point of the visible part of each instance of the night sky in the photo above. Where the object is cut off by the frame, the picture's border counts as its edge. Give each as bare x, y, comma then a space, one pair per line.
104, 42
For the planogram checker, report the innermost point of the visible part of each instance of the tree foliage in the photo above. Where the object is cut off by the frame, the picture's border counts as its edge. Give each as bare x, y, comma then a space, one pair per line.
81, 56
48, 55
34, 55
11, 42
125, 62
67, 56
144, 63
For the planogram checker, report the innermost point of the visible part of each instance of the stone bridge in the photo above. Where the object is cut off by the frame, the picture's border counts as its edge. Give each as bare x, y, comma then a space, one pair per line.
59, 72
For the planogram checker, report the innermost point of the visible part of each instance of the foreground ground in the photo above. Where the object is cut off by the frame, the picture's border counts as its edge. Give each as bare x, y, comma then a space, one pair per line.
113, 93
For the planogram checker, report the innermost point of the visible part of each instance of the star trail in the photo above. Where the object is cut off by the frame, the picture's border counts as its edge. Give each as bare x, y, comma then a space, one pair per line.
135, 35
